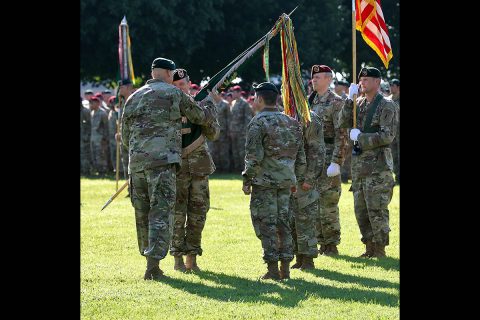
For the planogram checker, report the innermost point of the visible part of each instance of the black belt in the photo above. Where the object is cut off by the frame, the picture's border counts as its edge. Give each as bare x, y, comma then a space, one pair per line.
329, 140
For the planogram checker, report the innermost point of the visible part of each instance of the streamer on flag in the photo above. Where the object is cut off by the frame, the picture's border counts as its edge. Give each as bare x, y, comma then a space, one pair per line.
371, 24
293, 91
125, 52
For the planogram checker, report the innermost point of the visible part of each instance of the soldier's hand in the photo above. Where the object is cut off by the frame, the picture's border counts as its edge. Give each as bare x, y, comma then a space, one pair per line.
333, 170
354, 133
215, 96
352, 90
306, 186
247, 189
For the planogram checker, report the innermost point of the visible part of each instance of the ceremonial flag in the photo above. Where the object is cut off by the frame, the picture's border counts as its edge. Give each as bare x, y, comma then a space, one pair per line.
371, 24
125, 52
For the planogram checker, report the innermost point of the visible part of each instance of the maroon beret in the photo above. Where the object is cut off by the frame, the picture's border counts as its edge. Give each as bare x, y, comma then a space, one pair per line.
320, 68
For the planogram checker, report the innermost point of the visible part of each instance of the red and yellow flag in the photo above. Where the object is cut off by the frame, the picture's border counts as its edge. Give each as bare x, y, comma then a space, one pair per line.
370, 22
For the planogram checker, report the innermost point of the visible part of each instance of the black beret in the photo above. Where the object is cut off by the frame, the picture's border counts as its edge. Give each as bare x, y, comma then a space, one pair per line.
266, 86
163, 63
179, 74
124, 82
369, 72
395, 82
88, 91
343, 83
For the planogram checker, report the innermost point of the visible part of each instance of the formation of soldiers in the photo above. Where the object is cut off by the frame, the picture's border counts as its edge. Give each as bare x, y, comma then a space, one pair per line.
293, 171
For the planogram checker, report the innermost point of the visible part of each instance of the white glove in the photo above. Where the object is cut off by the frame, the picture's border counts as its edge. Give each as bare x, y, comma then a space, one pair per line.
352, 90
354, 134
333, 170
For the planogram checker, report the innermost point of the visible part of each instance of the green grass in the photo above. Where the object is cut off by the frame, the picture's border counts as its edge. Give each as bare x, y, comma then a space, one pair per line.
343, 287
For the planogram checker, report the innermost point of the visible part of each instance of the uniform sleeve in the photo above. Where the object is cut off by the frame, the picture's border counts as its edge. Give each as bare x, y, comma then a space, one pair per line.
340, 144
125, 125
254, 152
314, 151
345, 116
386, 134
300, 162
248, 114
212, 131
194, 113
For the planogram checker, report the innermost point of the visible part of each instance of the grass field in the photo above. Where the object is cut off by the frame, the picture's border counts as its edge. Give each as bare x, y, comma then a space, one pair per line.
343, 287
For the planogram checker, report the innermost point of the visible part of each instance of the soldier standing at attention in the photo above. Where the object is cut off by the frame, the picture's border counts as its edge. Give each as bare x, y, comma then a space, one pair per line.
193, 194
372, 165
242, 113
327, 105
151, 132
274, 162
98, 137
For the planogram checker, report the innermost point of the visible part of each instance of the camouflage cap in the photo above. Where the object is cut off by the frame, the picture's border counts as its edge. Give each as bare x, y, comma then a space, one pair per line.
266, 86
163, 64
179, 74
369, 72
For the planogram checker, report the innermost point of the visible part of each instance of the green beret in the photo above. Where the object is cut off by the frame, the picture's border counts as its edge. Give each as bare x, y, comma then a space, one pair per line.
179, 74
369, 72
266, 86
163, 63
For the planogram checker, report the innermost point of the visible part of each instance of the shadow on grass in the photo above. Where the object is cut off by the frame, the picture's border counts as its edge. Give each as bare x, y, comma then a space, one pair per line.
387, 263
246, 290
347, 278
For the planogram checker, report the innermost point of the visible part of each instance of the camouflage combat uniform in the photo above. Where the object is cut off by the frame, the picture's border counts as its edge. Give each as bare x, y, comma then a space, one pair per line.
274, 162
112, 129
99, 140
241, 115
328, 220
151, 132
395, 146
221, 148
85, 132
193, 195
372, 183
304, 204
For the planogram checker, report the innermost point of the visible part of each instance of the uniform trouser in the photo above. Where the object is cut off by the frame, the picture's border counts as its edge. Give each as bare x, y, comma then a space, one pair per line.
113, 154
123, 162
271, 222
191, 207
328, 217
99, 155
395, 147
238, 151
85, 156
152, 193
303, 228
346, 169
371, 198
221, 154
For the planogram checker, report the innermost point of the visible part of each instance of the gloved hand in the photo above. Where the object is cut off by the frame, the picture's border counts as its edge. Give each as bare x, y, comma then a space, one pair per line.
352, 90
354, 134
333, 170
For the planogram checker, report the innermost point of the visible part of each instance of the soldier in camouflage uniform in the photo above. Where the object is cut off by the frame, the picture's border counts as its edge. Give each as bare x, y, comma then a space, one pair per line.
98, 137
193, 195
112, 130
274, 162
327, 105
242, 113
85, 132
341, 87
221, 148
151, 132
125, 89
304, 203
372, 165
395, 87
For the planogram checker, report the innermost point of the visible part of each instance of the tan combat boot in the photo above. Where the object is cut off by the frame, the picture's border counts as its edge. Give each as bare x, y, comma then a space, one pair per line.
369, 249
191, 263
272, 271
307, 263
299, 261
284, 269
179, 265
379, 251
153, 271
331, 250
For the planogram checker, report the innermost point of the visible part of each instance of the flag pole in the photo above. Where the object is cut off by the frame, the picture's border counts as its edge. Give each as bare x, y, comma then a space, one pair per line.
354, 63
